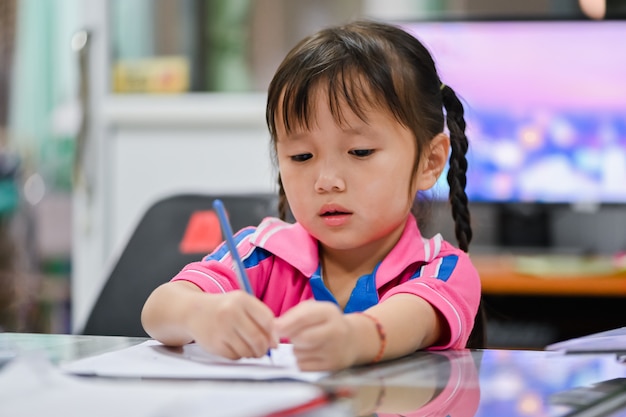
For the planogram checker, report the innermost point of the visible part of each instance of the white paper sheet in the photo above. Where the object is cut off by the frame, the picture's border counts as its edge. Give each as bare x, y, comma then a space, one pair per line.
32, 386
151, 359
610, 341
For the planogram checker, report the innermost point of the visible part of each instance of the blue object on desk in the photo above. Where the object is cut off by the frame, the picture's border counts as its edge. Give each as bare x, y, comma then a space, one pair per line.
230, 242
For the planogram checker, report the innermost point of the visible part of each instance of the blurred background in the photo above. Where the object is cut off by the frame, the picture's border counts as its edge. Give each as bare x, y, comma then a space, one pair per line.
106, 105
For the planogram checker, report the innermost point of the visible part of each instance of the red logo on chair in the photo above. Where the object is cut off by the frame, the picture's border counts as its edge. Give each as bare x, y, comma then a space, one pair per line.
203, 233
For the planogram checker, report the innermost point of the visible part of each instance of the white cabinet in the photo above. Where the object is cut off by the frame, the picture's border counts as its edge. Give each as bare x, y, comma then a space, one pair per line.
148, 147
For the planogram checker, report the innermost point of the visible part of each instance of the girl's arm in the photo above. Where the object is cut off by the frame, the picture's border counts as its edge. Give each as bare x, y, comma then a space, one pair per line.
409, 322
233, 324
166, 312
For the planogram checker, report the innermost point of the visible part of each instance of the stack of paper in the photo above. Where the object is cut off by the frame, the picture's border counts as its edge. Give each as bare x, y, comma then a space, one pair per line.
32, 386
611, 341
151, 359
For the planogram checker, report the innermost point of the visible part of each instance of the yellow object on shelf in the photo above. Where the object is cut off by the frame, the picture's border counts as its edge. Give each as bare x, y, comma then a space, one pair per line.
164, 74
568, 266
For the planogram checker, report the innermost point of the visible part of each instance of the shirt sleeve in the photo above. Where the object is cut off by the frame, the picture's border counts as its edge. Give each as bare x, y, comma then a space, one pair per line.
451, 284
216, 272
210, 276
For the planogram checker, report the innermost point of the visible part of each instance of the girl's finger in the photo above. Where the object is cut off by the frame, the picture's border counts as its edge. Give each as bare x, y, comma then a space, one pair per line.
303, 316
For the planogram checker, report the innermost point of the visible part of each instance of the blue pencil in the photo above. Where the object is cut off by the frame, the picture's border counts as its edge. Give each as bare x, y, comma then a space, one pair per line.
227, 231
230, 242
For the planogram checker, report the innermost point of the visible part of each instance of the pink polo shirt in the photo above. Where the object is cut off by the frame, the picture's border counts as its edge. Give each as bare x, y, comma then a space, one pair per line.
282, 263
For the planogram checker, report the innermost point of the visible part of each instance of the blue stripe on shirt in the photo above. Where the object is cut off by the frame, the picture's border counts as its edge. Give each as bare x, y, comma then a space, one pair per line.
256, 257
448, 263
223, 250
417, 273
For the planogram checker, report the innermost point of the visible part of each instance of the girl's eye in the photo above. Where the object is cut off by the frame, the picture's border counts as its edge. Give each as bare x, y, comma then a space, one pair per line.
301, 157
361, 153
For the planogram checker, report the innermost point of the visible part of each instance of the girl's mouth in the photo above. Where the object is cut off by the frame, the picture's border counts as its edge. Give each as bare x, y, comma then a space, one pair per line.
335, 216
334, 213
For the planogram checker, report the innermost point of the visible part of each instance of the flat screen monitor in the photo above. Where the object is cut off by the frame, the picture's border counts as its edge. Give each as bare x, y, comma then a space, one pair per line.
545, 106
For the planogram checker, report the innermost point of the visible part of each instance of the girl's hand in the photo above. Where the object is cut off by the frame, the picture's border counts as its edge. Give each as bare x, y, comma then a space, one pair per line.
322, 337
233, 325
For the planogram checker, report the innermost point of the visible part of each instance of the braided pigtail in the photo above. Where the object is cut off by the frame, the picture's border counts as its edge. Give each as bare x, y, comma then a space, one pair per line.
458, 198
458, 167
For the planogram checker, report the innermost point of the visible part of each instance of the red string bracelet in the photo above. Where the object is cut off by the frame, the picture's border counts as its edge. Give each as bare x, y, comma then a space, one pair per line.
382, 336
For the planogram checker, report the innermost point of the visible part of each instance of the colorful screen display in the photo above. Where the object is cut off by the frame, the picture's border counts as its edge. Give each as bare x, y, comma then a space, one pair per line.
545, 106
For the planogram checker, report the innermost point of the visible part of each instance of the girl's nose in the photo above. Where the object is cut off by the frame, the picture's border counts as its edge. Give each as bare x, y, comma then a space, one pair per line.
329, 180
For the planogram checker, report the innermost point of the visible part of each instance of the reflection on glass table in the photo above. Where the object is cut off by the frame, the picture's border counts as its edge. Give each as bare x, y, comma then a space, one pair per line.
603, 398
521, 383
491, 383
427, 383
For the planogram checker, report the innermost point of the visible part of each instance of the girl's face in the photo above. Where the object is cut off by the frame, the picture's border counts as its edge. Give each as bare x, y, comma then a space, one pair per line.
350, 185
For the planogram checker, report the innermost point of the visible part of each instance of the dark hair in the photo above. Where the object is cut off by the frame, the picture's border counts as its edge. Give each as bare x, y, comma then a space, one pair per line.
365, 65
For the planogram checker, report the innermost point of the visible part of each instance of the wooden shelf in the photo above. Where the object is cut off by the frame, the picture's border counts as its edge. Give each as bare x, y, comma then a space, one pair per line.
500, 276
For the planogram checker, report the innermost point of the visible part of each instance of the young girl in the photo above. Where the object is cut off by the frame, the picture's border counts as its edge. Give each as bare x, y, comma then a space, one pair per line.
356, 118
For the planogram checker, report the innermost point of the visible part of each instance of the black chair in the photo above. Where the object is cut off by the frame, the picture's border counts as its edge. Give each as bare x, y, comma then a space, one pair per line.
173, 232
